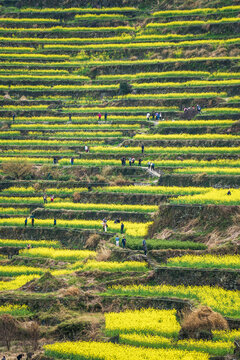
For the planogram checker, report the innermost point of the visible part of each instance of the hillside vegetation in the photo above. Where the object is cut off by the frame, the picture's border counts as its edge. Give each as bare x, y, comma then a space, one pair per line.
119, 180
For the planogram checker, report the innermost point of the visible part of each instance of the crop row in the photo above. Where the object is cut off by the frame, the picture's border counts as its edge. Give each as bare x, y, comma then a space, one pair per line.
157, 244
75, 134
166, 74
158, 342
25, 200
30, 122
198, 11
173, 24
186, 136
62, 74
8, 20
33, 56
182, 95
113, 266
49, 191
63, 29
104, 207
100, 17
226, 302
16, 49
131, 229
190, 164
79, 10
74, 126
206, 261
110, 109
80, 40
132, 189
158, 190
89, 122
124, 38
209, 170
191, 83
27, 77
152, 85
14, 211
143, 45
55, 88
21, 71
195, 123
74, 63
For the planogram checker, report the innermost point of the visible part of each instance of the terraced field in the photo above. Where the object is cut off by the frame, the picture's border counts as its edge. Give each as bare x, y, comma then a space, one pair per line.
119, 181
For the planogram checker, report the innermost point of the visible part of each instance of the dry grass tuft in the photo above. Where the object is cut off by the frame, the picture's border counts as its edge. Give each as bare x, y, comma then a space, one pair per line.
104, 255
93, 241
71, 291
203, 319
76, 197
165, 234
107, 170
118, 181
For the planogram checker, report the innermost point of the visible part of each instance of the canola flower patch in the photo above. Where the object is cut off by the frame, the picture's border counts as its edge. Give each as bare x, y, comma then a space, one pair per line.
58, 254
198, 11
100, 17
16, 283
144, 321
105, 207
49, 191
187, 137
113, 266
143, 45
33, 243
25, 200
195, 123
206, 261
15, 310
106, 351
214, 196
218, 348
226, 302
11, 271
78, 10
210, 170
14, 211
158, 190
72, 126
80, 134
182, 95
173, 24
157, 244
166, 74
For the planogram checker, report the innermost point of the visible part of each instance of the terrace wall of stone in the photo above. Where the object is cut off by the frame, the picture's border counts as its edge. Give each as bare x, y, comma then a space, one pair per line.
227, 279
90, 215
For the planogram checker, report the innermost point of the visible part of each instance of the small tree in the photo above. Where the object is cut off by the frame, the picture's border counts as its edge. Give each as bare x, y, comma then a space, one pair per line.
17, 169
8, 329
124, 88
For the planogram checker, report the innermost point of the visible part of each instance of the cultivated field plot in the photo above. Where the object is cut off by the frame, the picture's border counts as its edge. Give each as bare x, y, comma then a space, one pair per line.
119, 180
